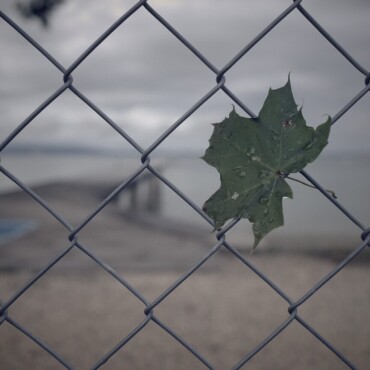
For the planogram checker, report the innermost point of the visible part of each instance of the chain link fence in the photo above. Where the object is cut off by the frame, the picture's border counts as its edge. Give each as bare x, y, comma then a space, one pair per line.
145, 166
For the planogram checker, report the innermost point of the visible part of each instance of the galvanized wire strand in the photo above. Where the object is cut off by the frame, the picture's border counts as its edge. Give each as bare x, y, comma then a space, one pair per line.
3, 315
39, 342
112, 272
257, 39
325, 342
181, 195
198, 54
332, 199
186, 115
105, 117
108, 199
32, 41
334, 42
222, 232
36, 197
329, 276
350, 104
181, 279
367, 79
265, 342
261, 275
181, 38
101, 38
40, 274
195, 353
34, 114
123, 342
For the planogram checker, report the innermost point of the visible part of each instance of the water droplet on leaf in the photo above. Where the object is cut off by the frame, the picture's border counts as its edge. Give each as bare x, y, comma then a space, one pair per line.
288, 123
252, 150
263, 174
309, 145
263, 200
239, 172
235, 196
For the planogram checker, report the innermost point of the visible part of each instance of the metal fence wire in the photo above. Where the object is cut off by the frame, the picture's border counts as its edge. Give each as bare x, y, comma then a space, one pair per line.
221, 242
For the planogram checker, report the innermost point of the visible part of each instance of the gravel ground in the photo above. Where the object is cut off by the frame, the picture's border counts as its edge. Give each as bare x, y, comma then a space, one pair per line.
224, 310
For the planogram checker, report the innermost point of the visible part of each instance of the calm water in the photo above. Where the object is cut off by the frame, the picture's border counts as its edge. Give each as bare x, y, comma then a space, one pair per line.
309, 218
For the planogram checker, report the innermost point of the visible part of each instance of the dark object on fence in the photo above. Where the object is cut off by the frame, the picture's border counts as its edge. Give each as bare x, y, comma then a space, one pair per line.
40, 9
145, 166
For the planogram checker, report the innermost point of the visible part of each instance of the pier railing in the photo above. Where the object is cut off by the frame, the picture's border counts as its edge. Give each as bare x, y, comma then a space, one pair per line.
145, 166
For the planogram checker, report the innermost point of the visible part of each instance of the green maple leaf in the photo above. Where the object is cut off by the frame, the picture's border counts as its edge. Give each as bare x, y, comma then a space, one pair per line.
253, 157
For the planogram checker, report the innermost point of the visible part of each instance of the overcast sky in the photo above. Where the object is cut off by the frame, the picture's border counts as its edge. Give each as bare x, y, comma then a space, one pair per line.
144, 79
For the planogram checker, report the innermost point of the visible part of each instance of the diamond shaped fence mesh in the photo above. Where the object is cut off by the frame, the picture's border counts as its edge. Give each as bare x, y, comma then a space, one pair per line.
145, 166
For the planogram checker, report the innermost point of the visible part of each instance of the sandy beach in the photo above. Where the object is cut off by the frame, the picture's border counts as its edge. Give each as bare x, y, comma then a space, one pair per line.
224, 310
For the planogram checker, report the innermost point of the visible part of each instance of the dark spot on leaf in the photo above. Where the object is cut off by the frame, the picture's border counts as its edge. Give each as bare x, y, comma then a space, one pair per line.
288, 123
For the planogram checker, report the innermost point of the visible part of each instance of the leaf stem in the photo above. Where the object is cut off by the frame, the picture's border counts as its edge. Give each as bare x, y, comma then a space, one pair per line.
311, 186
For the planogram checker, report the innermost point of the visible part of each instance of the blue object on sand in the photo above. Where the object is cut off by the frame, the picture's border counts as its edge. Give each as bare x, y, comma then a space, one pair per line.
13, 229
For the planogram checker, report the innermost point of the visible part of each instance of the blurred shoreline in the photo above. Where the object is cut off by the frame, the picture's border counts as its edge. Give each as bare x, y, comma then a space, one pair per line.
311, 221
148, 240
